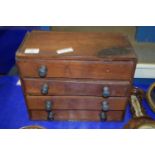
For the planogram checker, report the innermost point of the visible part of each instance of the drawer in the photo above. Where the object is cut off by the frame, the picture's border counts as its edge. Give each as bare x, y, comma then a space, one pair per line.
76, 103
108, 70
80, 115
72, 87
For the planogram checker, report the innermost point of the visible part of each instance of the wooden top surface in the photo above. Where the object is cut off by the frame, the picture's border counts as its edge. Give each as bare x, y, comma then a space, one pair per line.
85, 45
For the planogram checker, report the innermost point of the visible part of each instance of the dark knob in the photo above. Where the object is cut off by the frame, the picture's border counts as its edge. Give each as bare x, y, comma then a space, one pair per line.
48, 105
50, 116
42, 71
103, 116
106, 92
105, 106
44, 89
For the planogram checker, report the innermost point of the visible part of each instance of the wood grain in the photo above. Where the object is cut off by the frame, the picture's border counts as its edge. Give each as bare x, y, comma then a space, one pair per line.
76, 79
86, 45
75, 102
74, 115
72, 87
79, 69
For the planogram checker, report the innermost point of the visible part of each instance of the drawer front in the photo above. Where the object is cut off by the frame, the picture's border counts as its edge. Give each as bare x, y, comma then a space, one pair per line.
76, 87
77, 69
77, 115
76, 103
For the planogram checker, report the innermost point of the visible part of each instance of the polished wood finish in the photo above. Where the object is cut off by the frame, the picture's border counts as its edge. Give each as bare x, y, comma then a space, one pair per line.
75, 102
140, 119
79, 69
86, 45
76, 80
76, 87
80, 115
33, 127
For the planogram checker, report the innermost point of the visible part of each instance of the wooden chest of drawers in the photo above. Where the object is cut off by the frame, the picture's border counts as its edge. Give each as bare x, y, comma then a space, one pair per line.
76, 76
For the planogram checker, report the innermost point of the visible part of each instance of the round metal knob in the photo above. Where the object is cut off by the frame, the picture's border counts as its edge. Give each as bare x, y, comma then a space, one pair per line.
105, 106
42, 71
44, 89
50, 116
103, 116
48, 105
106, 92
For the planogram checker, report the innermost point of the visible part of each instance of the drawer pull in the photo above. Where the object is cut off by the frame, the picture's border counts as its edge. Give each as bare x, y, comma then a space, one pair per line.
106, 92
105, 106
48, 107
50, 116
42, 71
103, 116
44, 89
